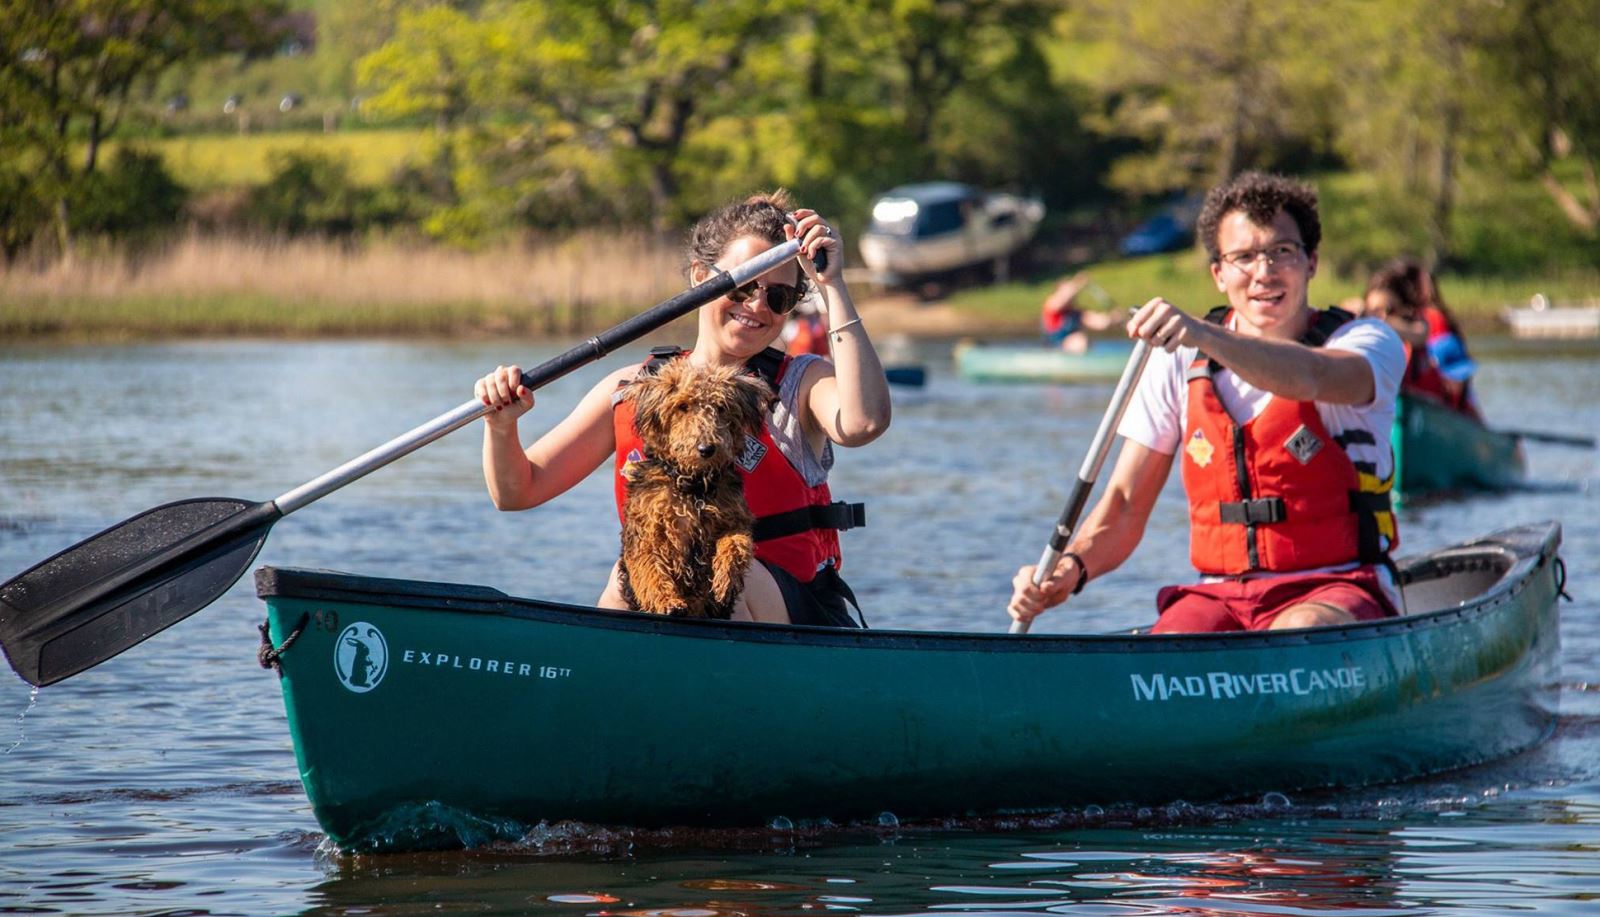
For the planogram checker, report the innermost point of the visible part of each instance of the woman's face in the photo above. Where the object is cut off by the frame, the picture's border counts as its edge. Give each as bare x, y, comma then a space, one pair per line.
745, 329
1381, 303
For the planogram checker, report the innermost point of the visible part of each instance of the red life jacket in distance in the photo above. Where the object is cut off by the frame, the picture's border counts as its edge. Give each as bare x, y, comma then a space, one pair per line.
1278, 492
810, 336
797, 526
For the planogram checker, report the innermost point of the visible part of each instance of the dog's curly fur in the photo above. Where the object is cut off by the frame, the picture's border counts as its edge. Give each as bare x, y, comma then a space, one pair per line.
686, 534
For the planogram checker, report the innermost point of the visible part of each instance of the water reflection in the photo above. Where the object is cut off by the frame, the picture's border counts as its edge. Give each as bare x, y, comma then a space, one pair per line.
1349, 867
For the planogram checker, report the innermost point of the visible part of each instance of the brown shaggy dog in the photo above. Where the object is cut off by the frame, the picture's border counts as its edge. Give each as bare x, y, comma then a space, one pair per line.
686, 532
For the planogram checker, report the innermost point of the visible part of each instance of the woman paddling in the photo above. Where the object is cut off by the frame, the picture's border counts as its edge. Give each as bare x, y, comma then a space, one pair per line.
820, 403
1404, 294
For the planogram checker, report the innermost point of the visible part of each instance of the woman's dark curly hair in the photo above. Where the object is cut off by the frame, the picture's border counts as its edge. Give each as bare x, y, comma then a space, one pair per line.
761, 215
1260, 196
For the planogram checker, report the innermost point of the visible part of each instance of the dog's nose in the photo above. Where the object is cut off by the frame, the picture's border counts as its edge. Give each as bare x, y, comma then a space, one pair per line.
706, 450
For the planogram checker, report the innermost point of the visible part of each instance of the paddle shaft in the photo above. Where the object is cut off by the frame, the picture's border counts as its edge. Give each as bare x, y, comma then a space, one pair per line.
587, 352
1099, 448
1559, 439
125, 591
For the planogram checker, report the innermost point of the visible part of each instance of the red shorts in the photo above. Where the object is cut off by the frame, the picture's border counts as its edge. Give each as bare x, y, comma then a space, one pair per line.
1254, 604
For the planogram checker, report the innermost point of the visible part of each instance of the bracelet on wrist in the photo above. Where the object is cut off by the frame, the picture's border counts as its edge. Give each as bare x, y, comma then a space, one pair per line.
1083, 571
841, 328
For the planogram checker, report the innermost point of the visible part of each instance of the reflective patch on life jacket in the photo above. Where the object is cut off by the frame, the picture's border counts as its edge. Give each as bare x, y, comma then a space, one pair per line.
1200, 449
1303, 444
752, 455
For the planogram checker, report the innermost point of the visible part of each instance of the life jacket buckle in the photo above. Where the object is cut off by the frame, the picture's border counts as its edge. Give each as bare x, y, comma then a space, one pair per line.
1253, 512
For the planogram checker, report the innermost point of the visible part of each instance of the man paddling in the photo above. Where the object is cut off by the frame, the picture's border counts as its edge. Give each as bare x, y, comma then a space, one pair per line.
1279, 415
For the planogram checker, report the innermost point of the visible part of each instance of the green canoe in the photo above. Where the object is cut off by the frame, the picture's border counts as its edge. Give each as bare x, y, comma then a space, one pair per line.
1102, 362
1439, 450
419, 706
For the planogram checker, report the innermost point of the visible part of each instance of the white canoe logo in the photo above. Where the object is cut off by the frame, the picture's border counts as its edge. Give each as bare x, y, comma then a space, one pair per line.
360, 657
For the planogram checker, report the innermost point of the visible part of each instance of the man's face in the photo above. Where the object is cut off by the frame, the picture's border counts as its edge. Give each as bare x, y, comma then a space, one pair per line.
1264, 271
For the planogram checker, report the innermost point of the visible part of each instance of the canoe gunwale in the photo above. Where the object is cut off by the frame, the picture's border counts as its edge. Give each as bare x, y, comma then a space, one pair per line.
1517, 552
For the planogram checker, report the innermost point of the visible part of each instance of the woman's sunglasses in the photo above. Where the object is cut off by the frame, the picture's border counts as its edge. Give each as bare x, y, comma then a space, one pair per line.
781, 297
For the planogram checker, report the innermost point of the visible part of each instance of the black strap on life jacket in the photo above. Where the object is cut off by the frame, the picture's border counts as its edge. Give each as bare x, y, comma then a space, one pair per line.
840, 515
1366, 506
768, 364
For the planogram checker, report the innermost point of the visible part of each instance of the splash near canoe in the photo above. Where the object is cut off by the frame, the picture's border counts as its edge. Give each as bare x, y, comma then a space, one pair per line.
461, 704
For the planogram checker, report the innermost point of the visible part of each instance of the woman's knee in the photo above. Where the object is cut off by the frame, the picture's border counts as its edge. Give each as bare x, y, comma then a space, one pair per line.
762, 599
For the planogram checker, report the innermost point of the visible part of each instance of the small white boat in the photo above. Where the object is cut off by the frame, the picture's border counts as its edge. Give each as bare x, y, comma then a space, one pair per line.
924, 229
1539, 319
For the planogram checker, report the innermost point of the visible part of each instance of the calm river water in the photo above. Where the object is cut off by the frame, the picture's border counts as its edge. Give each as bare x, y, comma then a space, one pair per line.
163, 782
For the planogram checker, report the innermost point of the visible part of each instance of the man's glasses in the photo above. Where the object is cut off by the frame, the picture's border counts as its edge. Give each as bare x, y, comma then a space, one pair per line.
1278, 254
781, 297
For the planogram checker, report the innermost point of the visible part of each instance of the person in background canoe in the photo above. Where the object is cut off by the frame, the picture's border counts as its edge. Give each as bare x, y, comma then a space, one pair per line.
1404, 294
1279, 415
820, 404
807, 331
1064, 323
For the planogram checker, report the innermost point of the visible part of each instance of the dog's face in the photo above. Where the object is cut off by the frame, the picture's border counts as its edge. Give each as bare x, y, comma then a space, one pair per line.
697, 417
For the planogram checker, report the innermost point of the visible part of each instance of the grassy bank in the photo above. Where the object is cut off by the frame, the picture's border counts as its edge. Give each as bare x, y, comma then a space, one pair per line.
1183, 278
204, 286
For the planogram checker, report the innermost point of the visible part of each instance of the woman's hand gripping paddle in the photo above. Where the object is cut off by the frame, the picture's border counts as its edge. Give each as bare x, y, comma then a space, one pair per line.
117, 589
1098, 450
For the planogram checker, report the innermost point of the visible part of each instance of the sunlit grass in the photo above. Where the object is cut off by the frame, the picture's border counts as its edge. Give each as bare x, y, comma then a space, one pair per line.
209, 161
1183, 279
210, 286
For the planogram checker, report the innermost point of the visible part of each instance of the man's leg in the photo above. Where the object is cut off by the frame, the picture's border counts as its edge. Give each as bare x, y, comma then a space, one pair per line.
1331, 603
1194, 610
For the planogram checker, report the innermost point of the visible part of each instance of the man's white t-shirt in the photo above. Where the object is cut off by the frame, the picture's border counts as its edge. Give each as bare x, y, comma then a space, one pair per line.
1157, 413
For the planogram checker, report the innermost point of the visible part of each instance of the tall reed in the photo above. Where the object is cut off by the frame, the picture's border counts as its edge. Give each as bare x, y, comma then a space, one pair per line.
207, 284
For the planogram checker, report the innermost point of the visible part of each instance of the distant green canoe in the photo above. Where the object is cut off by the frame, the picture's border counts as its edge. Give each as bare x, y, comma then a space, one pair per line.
1102, 362
417, 708
1438, 450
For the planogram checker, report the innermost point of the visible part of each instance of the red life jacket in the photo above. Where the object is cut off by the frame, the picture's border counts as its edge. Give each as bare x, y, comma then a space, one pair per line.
797, 525
810, 336
1278, 493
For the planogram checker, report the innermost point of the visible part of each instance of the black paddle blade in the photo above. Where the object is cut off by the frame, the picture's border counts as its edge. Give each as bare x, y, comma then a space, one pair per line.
116, 589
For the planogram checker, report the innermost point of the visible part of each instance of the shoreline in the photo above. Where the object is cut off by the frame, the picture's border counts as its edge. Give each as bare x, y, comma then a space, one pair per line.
92, 322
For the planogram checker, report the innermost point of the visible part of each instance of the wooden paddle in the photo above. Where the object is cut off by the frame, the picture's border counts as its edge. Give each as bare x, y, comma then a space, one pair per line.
117, 589
1099, 448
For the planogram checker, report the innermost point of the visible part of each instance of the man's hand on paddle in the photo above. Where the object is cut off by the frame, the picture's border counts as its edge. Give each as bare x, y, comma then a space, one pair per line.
1029, 601
1165, 325
503, 391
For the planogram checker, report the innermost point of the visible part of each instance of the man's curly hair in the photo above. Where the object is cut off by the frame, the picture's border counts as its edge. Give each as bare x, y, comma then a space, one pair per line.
1260, 196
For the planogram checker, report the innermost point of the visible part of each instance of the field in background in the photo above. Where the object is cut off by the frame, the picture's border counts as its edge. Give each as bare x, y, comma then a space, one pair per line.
206, 162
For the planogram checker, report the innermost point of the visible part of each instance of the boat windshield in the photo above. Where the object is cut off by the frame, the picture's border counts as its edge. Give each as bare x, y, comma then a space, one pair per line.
893, 216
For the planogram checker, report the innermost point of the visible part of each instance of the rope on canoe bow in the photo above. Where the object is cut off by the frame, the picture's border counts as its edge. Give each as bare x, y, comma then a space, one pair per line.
1561, 579
268, 654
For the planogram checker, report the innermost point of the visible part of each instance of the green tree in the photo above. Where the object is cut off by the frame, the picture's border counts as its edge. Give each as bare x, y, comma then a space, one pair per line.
1206, 87
68, 69
1544, 56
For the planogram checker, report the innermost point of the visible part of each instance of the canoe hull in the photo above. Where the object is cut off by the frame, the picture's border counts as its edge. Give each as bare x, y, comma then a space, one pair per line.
1103, 362
527, 711
1439, 450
